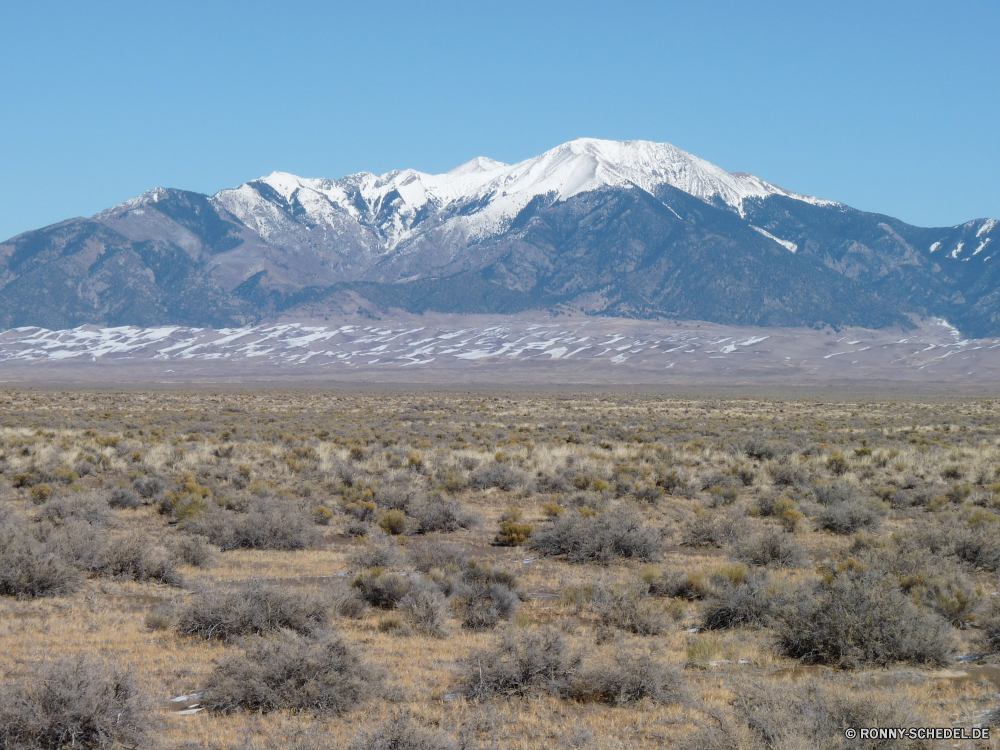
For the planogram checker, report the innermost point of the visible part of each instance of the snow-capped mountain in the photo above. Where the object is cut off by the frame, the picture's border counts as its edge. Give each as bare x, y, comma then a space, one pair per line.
628, 228
396, 204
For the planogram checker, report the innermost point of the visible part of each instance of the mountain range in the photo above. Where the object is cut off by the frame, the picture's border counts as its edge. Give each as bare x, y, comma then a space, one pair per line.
628, 229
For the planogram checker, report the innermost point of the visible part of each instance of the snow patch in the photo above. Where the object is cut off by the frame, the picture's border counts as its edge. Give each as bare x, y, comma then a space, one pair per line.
790, 246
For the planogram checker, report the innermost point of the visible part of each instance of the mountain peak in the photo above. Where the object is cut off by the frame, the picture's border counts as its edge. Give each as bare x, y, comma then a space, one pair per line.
476, 166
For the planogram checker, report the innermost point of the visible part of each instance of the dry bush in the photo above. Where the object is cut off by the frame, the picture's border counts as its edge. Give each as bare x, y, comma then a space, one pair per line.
399, 496
195, 551
147, 487
78, 703
425, 557
124, 498
617, 533
521, 662
403, 734
834, 493
627, 678
380, 589
485, 606
628, 608
393, 522
266, 524
710, 530
500, 475
255, 608
485, 596
990, 627
426, 610
979, 547
379, 551
848, 516
770, 548
769, 714
748, 603
860, 618
513, 533
441, 514
78, 543
784, 475
295, 674
28, 569
131, 557
692, 586
85, 509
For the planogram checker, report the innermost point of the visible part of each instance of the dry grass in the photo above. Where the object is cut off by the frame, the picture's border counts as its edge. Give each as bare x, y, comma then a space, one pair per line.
932, 466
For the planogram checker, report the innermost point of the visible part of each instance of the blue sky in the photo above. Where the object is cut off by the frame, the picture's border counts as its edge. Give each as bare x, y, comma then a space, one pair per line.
889, 107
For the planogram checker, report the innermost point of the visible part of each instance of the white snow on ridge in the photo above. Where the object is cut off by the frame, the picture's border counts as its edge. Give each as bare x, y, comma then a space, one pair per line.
986, 227
790, 246
499, 191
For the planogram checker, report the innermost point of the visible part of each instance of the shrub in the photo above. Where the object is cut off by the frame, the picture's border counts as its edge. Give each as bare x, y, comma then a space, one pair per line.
393, 522
147, 487
380, 589
712, 531
78, 543
849, 516
787, 476
195, 551
978, 547
441, 514
722, 496
757, 449
521, 662
399, 497
990, 624
746, 604
837, 464
266, 524
63, 510
29, 570
253, 609
124, 498
628, 608
627, 678
357, 528
500, 475
770, 547
132, 558
859, 619
40, 493
159, 618
425, 608
402, 734
955, 600
767, 714
79, 703
322, 515
485, 605
378, 551
292, 673
425, 557
619, 532
837, 492
691, 586
512, 532
392, 623
363, 510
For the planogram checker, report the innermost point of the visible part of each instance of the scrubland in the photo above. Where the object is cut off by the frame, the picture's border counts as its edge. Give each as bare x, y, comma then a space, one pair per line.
313, 570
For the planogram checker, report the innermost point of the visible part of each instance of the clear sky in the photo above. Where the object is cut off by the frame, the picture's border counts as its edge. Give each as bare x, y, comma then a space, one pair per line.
887, 106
